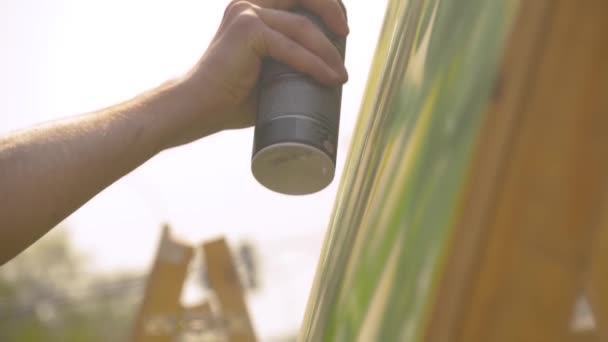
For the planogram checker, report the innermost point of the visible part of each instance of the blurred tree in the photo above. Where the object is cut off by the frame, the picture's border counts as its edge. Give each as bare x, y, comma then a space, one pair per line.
47, 295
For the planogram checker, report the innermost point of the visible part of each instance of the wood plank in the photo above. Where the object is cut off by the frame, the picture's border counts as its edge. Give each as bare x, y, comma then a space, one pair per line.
537, 185
227, 287
502, 118
160, 310
584, 336
598, 279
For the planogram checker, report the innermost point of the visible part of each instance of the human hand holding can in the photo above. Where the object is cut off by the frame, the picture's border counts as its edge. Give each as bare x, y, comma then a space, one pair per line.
297, 126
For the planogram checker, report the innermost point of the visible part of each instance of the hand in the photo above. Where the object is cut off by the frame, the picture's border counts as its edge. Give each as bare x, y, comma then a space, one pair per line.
224, 80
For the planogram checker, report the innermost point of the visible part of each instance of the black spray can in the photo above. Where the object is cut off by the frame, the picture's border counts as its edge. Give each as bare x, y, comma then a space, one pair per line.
297, 126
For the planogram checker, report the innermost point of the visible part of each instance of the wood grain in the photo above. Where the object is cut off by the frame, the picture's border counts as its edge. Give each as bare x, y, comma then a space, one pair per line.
597, 290
537, 186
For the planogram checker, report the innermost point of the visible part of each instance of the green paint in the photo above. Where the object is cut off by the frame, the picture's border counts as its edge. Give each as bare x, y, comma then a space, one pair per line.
407, 166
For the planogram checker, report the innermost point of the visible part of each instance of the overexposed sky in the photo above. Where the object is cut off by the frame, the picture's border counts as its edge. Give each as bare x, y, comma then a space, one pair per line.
66, 57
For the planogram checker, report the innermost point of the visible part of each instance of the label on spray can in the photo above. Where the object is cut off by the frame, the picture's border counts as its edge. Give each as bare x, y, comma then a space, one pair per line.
297, 126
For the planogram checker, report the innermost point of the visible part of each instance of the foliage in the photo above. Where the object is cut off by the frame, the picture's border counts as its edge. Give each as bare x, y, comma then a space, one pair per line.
46, 294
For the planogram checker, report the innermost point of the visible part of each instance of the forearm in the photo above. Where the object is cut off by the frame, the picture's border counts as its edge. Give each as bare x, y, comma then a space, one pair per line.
48, 172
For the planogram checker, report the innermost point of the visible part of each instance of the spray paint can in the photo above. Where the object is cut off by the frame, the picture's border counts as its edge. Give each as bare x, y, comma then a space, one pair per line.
297, 126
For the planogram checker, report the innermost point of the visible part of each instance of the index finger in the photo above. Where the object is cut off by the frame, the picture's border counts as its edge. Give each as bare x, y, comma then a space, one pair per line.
332, 12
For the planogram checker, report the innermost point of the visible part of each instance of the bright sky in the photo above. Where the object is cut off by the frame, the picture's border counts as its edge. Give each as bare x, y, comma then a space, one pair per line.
65, 57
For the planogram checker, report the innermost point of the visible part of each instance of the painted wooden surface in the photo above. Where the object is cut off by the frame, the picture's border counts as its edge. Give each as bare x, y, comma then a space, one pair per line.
598, 276
521, 249
430, 83
473, 204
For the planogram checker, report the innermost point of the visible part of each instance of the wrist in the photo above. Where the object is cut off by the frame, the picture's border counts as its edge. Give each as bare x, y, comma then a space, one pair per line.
182, 113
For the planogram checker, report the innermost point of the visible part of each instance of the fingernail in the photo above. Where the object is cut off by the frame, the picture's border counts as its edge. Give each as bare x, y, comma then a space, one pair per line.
344, 30
344, 76
339, 76
343, 72
335, 76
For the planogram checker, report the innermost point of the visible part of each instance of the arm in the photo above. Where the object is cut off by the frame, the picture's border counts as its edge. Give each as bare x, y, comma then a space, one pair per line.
49, 171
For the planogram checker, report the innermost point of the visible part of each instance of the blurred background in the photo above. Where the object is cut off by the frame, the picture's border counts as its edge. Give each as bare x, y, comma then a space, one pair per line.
85, 280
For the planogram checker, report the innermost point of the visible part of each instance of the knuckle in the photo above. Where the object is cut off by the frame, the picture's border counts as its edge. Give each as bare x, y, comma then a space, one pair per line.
246, 22
303, 23
235, 8
290, 45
